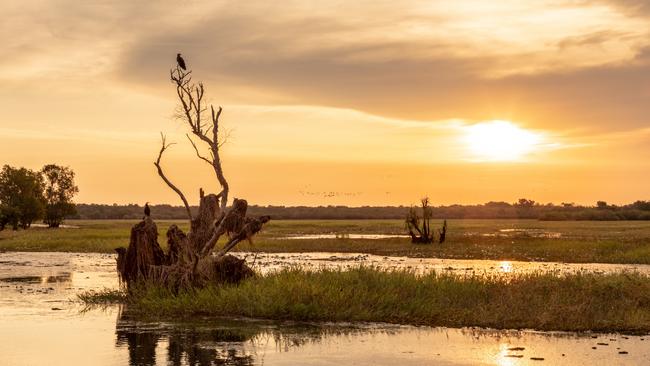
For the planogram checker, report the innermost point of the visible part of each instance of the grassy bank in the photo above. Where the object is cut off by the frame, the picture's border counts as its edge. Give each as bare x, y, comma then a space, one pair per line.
575, 241
578, 302
87, 236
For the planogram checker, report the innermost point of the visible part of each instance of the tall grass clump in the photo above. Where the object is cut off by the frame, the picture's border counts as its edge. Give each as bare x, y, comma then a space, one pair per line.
544, 301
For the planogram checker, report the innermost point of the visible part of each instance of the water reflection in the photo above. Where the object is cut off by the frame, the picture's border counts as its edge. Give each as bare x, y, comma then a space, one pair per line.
506, 356
22, 279
59, 278
343, 236
217, 342
248, 342
184, 347
226, 341
268, 262
505, 266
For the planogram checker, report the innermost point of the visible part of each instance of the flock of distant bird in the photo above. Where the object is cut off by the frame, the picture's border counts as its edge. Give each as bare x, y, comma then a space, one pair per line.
329, 194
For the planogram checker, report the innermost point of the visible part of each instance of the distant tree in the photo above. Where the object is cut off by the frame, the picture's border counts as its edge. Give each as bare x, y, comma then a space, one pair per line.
602, 205
497, 204
525, 203
420, 227
59, 188
641, 205
21, 197
8, 215
526, 209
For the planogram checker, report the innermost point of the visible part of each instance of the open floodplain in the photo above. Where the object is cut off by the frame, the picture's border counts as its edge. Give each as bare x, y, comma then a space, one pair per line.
43, 272
523, 240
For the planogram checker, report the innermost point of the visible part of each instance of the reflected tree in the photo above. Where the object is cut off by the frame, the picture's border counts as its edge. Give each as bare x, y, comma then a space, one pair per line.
221, 342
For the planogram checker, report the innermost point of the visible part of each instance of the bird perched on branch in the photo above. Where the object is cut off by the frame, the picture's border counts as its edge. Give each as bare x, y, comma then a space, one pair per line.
147, 210
180, 61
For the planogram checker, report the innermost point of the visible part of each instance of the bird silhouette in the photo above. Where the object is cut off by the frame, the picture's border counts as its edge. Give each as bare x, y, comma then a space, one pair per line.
147, 210
180, 61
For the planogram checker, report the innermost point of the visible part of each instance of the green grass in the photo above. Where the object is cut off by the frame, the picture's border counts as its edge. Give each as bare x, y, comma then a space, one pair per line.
576, 302
580, 241
91, 236
103, 297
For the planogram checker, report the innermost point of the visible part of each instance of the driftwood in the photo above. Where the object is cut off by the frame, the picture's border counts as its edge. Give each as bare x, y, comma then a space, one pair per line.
420, 227
188, 260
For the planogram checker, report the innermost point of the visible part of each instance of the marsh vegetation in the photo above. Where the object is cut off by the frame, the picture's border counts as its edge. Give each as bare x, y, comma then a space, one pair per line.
570, 241
543, 301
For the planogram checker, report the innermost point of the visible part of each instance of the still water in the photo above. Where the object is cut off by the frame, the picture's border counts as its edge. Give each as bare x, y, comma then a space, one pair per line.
41, 323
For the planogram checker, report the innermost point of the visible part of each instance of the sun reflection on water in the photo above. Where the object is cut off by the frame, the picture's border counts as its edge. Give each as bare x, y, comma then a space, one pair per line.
505, 266
502, 358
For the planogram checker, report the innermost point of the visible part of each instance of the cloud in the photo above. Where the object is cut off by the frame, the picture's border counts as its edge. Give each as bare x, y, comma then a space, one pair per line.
639, 8
594, 39
401, 64
469, 60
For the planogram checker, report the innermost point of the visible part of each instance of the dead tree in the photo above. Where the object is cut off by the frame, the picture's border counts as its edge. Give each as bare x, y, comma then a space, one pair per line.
420, 227
442, 233
188, 260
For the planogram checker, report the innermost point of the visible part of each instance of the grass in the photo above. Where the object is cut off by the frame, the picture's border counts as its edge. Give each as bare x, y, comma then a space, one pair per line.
91, 236
576, 302
103, 297
579, 241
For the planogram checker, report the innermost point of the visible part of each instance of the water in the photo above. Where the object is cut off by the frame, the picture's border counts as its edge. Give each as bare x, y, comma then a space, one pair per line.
344, 236
62, 226
265, 262
532, 233
41, 323
506, 233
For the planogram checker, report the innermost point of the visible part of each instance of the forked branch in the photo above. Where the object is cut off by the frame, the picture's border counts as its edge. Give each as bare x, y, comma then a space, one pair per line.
191, 102
171, 185
198, 154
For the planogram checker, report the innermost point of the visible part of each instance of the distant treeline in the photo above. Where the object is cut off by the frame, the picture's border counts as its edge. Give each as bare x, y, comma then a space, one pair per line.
523, 209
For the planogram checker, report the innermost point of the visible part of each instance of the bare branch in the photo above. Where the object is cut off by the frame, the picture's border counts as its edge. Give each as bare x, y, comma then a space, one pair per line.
216, 161
191, 109
164, 147
199, 98
197, 151
224, 140
188, 261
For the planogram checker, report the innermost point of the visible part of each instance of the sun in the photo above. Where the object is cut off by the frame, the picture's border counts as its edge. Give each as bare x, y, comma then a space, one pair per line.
500, 141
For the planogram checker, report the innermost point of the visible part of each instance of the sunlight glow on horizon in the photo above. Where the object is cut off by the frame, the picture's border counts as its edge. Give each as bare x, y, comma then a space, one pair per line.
500, 141
468, 101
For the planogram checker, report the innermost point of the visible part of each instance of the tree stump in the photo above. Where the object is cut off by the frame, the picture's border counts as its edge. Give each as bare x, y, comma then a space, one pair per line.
188, 261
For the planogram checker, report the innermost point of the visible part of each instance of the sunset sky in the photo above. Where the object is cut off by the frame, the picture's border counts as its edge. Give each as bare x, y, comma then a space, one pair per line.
337, 102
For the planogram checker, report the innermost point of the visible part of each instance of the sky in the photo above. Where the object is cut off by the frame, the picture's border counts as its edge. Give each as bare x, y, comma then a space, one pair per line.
336, 102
